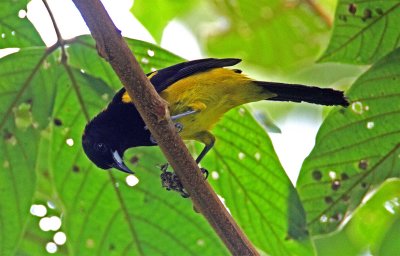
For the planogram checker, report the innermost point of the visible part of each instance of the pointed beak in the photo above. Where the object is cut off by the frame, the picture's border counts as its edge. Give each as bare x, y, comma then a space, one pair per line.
119, 163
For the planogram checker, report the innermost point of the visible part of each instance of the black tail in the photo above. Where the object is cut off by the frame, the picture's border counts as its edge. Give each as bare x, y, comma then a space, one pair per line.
310, 94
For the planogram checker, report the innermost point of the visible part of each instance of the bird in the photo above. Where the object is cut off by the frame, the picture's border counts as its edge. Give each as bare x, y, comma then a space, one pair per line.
198, 93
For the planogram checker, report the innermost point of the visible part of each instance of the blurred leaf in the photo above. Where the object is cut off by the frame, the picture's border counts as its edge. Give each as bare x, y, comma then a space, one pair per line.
15, 28
371, 226
356, 148
246, 172
265, 120
155, 15
364, 31
391, 244
279, 36
35, 240
26, 95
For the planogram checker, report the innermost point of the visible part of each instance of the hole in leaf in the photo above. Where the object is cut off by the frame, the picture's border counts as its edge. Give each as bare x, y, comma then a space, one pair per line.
335, 185
346, 197
352, 8
134, 159
367, 14
75, 168
363, 164
57, 122
317, 175
379, 11
328, 200
364, 185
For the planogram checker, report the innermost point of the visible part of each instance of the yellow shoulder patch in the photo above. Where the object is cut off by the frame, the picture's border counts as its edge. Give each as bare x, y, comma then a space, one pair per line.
126, 98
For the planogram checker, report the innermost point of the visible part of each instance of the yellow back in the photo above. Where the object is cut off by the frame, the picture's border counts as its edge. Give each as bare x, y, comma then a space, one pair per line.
211, 93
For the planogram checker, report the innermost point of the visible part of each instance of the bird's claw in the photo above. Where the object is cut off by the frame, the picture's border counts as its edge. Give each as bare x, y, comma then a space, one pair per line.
152, 139
178, 127
170, 181
204, 171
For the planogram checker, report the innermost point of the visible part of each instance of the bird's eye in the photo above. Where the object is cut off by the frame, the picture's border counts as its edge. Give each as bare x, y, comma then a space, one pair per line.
101, 147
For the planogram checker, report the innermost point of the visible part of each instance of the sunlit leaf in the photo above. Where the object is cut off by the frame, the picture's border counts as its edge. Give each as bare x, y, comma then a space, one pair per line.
279, 36
15, 28
161, 13
364, 31
391, 244
370, 228
26, 95
356, 148
246, 172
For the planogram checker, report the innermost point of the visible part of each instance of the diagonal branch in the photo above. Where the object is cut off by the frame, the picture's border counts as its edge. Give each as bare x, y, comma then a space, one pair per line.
154, 111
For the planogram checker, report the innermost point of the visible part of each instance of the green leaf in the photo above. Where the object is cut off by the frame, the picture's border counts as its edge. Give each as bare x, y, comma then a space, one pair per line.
390, 244
278, 36
364, 31
155, 15
356, 148
372, 227
15, 28
246, 172
83, 55
26, 95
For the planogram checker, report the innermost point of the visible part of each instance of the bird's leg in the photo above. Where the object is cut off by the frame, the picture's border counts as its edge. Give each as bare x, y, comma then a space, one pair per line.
178, 126
186, 113
194, 108
208, 139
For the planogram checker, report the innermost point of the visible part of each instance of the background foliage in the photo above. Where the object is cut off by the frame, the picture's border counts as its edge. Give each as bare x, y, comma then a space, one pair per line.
346, 199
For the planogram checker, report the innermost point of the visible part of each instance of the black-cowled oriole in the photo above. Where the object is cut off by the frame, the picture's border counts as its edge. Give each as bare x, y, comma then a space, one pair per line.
198, 92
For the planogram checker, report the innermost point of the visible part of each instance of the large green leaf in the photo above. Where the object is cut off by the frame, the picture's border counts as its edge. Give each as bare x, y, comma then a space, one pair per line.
27, 88
246, 172
364, 31
161, 13
279, 36
373, 227
356, 148
15, 28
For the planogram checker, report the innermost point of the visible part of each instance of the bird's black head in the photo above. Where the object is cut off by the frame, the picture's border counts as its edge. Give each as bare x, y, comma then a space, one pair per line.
113, 131
101, 144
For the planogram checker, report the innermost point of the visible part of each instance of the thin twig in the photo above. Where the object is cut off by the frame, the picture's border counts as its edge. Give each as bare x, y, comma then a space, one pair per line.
64, 60
154, 111
60, 41
320, 12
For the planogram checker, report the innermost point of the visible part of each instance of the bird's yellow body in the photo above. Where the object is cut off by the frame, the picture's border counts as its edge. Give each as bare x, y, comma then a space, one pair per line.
229, 89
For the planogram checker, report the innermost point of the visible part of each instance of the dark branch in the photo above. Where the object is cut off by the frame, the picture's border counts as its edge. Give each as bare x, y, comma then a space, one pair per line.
154, 112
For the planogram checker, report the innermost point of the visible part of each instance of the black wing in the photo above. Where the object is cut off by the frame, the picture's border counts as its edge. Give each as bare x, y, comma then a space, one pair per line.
167, 76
